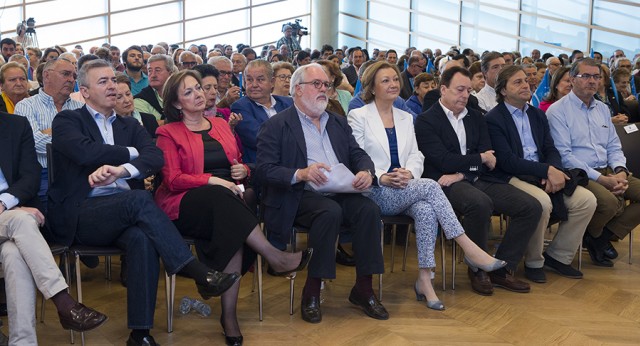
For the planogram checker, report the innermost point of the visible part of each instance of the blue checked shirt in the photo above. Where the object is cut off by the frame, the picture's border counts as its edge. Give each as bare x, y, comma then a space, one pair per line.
523, 126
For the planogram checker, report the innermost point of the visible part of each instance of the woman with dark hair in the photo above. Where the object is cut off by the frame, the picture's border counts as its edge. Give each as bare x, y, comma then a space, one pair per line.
125, 107
302, 58
49, 54
560, 86
386, 133
277, 58
202, 194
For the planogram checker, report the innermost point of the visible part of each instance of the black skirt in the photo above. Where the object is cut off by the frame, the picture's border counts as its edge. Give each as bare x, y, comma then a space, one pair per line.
220, 222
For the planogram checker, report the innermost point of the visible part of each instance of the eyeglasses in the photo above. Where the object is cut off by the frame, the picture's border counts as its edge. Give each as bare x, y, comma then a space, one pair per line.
585, 76
284, 77
189, 63
228, 73
319, 84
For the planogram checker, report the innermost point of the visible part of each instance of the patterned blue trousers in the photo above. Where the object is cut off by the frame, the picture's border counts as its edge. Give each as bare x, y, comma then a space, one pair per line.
425, 202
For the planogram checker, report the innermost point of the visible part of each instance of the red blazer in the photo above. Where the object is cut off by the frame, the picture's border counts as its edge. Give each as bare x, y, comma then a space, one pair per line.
183, 169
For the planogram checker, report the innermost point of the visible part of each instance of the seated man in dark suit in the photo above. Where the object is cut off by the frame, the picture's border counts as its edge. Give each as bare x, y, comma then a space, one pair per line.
97, 198
356, 59
528, 160
257, 106
26, 259
295, 148
414, 68
433, 96
458, 155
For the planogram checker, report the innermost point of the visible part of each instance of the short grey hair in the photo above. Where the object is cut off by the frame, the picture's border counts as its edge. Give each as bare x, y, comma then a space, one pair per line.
186, 52
88, 66
575, 67
299, 74
214, 60
168, 62
258, 63
616, 62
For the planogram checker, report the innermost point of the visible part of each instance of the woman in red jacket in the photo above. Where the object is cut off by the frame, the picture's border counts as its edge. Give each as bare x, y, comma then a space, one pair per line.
200, 192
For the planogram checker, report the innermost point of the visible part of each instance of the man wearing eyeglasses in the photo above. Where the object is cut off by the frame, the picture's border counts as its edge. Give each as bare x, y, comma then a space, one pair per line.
149, 99
59, 78
257, 106
586, 138
227, 92
296, 149
187, 60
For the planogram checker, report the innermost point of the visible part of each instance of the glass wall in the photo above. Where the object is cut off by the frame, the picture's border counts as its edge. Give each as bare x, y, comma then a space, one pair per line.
125, 22
504, 25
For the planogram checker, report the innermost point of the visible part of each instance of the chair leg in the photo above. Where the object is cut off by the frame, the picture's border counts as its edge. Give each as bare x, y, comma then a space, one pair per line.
580, 256
107, 267
406, 248
292, 282
393, 243
79, 288
453, 264
630, 245
382, 253
170, 294
258, 274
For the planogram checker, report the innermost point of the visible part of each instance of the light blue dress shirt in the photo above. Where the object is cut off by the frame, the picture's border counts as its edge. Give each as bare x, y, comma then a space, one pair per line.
8, 199
521, 118
584, 135
105, 124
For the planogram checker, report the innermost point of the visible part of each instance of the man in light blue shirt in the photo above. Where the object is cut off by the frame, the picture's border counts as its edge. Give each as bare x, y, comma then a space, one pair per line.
527, 159
586, 138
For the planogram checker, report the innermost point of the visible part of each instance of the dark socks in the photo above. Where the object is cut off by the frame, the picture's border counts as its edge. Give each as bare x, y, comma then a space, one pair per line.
364, 285
63, 301
197, 271
139, 334
311, 288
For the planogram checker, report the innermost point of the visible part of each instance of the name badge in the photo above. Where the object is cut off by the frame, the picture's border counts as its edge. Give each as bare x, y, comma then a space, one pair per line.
631, 128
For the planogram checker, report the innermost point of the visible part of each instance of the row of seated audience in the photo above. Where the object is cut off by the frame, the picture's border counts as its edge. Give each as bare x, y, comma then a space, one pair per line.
463, 141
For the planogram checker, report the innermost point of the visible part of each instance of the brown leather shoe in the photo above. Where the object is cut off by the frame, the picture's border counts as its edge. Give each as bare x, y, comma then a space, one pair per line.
480, 282
81, 318
505, 279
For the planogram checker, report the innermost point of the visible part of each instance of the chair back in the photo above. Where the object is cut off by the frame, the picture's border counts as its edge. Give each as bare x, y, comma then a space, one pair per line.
630, 147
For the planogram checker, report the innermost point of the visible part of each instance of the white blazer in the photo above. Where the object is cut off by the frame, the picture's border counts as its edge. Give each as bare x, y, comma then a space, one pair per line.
370, 134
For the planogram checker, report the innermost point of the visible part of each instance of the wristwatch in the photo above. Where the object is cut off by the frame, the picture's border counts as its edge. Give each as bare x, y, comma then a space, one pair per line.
4, 205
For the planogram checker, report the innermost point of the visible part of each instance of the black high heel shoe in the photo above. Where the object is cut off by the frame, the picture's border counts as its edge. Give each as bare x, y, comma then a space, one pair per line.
230, 340
304, 260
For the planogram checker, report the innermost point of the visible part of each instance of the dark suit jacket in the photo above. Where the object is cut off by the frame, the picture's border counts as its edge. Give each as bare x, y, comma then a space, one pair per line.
432, 97
150, 123
149, 95
18, 160
351, 74
508, 145
3, 106
282, 150
407, 89
253, 116
78, 150
439, 144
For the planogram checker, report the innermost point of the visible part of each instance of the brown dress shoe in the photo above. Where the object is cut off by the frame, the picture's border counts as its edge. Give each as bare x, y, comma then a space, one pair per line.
480, 282
81, 318
505, 279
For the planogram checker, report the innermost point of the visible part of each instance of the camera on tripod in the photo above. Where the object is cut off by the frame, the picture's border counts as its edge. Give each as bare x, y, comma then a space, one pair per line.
297, 28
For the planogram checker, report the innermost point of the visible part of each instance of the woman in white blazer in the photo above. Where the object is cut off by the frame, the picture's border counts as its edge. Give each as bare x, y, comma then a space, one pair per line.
387, 135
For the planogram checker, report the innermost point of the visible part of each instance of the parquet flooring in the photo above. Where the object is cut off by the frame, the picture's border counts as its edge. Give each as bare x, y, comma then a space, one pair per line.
602, 308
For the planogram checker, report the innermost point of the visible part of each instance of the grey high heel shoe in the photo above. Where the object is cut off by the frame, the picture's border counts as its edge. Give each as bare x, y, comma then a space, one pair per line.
495, 265
431, 304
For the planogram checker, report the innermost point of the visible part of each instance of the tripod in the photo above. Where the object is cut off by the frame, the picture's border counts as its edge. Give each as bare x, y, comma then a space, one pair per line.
31, 38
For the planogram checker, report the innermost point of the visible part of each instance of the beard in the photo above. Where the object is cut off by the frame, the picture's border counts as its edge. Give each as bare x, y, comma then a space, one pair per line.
134, 68
315, 106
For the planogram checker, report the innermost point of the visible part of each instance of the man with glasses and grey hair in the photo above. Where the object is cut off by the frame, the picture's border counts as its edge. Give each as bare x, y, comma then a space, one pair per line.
149, 100
59, 78
257, 106
586, 138
296, 149
227, 92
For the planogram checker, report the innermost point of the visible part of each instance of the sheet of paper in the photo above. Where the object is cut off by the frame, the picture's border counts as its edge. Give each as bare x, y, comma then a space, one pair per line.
340, 180
631, 128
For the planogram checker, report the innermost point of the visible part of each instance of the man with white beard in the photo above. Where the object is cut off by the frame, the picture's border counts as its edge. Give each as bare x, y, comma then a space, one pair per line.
296, 147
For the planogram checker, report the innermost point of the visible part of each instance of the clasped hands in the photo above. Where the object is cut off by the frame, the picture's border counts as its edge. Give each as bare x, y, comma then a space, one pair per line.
555, 181
314, 173
106, 175
398, 178
616, 183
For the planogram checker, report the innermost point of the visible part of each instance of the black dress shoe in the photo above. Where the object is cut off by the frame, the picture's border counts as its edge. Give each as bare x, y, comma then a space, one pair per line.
230, 340
217, 283
90, 261
565, 270
344, 258
610, 252
310, 310
370, 305
304, 260
146, 341
480, 282
535, 274
596, 250
3, 309
81, 318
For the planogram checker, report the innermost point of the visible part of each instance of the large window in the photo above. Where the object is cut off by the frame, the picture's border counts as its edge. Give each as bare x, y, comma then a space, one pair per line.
126, 22
555, 26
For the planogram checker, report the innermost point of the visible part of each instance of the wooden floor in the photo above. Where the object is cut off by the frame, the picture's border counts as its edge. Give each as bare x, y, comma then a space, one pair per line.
602, 308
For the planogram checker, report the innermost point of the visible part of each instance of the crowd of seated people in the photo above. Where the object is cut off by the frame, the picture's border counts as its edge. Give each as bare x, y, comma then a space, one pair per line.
447, 139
